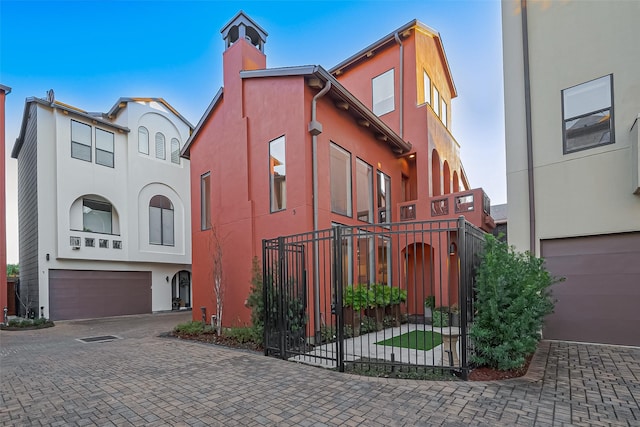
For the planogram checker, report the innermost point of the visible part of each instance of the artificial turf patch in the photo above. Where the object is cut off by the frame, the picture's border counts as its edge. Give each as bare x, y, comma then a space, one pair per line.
416, 340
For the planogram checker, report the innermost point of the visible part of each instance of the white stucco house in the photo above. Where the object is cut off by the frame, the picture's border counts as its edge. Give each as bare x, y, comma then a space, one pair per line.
103, 208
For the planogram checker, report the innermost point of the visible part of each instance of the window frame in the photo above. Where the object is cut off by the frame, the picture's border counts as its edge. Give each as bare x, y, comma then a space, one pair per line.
97, 202
426, 90
387, 206
436, 101
272, 199
610, 108
369, 190
113, 148
443, 112
175, 149
164, 146
163, 241
348, 184
147, 144
379, 78
205, 201
80, 143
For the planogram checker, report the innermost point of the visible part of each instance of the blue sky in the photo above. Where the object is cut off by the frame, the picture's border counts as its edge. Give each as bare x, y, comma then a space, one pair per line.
93, 52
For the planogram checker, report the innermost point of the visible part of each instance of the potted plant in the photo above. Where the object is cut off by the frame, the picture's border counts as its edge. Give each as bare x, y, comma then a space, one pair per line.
429, 305
397, 296
375, 304
353, 301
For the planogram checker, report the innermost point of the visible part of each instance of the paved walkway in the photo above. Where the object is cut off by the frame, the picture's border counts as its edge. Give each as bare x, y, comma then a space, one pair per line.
48, 377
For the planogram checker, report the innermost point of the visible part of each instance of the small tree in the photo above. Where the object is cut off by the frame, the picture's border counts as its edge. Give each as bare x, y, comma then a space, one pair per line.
215, 249
512, 299
255, 300
13, 269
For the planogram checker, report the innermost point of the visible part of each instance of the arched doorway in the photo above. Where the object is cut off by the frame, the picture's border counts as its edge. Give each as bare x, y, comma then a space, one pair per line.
181, 290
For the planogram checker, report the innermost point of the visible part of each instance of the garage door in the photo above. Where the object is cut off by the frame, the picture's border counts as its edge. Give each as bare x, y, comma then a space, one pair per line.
600, 299
75, 294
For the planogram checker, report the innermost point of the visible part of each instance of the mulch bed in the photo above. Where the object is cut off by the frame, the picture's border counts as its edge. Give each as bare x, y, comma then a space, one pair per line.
490, 374
26, 328
213, 338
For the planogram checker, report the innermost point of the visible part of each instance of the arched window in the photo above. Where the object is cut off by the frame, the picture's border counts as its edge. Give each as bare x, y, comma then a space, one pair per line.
175, 151
456, 182
161, 221
97, 216
143, 140
446, 175
435, 174
160, 149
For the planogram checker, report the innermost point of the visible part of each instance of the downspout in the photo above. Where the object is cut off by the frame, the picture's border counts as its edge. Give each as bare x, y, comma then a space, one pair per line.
527, 112
316, 129
397, 37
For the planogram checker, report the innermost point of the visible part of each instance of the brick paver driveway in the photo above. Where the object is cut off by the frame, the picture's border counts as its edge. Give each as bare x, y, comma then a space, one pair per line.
50, 378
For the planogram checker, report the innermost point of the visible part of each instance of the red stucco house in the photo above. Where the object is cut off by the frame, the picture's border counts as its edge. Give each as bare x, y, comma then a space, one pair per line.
288, 150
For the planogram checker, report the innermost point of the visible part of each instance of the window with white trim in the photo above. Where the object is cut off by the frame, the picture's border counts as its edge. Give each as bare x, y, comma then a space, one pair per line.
97, 216
104, 148
436, 101
383, 93
161, 221
143, 140
364, 191
175, 151
160, 148
80, 141
426, 80
443, 113
587, 115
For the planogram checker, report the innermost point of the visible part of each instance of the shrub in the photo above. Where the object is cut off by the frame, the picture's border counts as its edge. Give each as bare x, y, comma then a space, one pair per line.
243, 334
192, 328
255, 301
512, 299
430, 301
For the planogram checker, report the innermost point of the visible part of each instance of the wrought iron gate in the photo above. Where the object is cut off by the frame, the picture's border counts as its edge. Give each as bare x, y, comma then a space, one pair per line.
310, 279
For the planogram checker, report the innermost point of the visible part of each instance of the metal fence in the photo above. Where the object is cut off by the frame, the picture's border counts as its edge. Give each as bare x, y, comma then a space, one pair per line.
392, 296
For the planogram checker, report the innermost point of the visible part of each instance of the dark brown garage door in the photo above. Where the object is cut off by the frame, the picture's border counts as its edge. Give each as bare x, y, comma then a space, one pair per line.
600, 300
76, 294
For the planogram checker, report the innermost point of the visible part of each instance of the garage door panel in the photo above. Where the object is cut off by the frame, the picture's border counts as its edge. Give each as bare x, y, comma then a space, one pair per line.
595, 264
624, 243
75, 294
599, 300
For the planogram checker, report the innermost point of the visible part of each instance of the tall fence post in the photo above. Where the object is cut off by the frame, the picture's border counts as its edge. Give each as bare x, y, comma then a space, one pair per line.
282, 307
463, 282
265, 298
337, 274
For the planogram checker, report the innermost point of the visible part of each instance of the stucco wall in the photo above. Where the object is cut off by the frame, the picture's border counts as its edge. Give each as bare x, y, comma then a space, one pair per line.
586, 192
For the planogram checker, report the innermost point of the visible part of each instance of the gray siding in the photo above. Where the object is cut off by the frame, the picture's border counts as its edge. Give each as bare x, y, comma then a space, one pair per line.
28, 214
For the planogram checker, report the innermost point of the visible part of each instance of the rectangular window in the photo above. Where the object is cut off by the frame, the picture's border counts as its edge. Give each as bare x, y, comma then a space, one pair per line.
103, 243
205, 201
587, 115
347, 258
365, 258
383, 93
443, 113
277, 175
117, 244
436, 101
161, 226
383, 264
96, 216
364, 191
175, 151
426, 80
340, 171
89, 242
80, 141
104, 148
384, 198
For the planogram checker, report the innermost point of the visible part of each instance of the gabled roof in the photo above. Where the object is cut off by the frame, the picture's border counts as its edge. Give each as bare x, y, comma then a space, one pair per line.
240, 17
337, 92
5, 89
59, 106
186, 150
389, 40
122, 103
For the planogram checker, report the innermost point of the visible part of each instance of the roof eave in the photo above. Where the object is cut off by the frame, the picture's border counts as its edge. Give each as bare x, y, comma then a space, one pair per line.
122, 103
